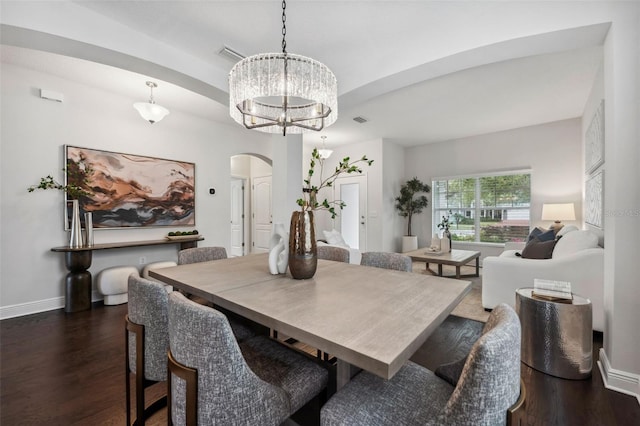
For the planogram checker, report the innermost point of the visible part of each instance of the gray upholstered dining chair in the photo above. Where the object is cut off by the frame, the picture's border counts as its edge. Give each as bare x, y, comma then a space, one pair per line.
146, 343
201, 254
487, 388
240, 327
337, 254
397, 261
259, 382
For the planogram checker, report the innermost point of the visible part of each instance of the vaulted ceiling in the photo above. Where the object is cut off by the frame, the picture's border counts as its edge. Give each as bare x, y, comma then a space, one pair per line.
419, 72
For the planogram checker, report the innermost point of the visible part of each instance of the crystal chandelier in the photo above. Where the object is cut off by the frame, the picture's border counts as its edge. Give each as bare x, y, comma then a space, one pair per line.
151, 111
282, 92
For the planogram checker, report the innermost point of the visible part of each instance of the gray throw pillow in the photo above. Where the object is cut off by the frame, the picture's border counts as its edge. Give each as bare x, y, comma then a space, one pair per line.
536, 249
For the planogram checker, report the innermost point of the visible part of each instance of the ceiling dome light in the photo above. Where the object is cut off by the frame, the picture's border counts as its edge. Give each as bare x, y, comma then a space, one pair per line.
151, 111
282, 92
324, 153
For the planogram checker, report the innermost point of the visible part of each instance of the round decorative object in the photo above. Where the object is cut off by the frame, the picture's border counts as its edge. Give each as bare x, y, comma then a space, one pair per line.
303, 253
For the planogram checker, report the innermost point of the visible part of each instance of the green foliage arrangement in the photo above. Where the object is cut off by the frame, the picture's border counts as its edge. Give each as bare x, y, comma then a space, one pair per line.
309, 200
409, 202
77, 177
445, 224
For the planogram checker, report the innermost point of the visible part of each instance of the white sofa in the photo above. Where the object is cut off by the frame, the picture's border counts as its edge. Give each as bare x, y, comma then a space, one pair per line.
576, 258
334, 238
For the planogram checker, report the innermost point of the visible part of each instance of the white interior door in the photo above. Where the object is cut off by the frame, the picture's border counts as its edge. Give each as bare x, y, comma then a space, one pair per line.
352, 220
262, 217
237, 217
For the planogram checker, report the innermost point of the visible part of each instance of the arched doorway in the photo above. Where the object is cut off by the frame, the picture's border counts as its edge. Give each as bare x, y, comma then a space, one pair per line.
251, 207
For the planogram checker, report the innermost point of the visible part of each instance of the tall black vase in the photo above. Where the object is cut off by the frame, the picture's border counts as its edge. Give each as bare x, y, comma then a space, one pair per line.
303, 253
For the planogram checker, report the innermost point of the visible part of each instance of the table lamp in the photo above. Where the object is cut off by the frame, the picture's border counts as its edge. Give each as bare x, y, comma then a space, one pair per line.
558, 213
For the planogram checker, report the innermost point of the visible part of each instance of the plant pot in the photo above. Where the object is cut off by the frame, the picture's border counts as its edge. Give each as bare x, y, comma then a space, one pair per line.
303, 253
409, 243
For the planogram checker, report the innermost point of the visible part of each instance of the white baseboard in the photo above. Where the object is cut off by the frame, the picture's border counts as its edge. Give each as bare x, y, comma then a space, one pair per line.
618, 380
38, 306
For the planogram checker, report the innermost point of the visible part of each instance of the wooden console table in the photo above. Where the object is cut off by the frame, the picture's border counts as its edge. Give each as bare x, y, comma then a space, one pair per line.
78, 261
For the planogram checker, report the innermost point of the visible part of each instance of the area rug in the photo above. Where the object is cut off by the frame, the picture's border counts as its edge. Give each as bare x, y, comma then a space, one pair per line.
471, 306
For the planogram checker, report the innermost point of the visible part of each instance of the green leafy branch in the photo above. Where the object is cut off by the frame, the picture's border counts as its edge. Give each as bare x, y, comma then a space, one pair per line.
77, 177
309, 200
444, 224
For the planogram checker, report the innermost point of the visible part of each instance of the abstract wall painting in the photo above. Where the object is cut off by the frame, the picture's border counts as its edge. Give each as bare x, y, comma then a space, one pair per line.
594, 200
594, 141
128, 190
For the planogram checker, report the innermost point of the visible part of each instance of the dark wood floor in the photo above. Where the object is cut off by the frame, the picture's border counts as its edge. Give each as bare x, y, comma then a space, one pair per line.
67, 369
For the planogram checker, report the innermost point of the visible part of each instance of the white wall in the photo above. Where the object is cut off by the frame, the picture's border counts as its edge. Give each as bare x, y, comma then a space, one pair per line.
393, 176
552, 151
619, 357
33, 133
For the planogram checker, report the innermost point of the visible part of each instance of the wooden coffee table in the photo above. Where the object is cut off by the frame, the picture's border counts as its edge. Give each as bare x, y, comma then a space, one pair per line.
455, 258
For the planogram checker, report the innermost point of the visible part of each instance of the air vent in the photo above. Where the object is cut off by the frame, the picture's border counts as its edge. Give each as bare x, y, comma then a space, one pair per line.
230, 54
360, 119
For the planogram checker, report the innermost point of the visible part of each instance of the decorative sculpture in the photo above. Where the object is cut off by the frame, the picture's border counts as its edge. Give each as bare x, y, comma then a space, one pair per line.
278, 249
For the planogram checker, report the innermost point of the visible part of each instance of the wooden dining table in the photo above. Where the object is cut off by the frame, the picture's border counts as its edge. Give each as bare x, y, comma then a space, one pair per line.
371, 318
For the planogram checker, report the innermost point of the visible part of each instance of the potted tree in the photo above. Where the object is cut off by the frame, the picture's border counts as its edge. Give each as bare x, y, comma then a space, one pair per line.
410, 202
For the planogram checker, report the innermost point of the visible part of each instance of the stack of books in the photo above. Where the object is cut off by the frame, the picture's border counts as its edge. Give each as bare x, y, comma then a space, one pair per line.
556, 291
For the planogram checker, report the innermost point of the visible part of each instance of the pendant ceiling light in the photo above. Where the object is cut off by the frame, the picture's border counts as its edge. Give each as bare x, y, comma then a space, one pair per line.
282, 92
324, 152
151, 111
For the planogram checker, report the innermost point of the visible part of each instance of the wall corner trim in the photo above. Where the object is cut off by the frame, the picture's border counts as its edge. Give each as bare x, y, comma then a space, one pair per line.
618, 380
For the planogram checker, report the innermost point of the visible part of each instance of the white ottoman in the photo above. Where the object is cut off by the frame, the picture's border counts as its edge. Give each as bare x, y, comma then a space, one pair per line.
158, 265
113, 284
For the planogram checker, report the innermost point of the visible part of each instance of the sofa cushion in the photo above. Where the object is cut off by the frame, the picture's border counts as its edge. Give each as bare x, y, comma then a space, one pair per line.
335, 238
565, 229
541, 234
535, 232
547, 235
536, 249
573, 242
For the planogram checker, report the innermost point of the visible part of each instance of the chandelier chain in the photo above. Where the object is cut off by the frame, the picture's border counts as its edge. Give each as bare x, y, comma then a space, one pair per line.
284, 27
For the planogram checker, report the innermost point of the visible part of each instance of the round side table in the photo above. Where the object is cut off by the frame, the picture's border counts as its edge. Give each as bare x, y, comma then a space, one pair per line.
557, 337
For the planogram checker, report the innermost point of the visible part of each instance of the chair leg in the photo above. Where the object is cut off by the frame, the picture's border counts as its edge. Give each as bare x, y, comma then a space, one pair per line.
518, 406
141, 384
127, 371
138, 331
190, 376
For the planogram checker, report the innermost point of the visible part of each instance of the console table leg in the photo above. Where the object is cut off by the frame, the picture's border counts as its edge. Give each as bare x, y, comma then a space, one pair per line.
77, 292
78, 281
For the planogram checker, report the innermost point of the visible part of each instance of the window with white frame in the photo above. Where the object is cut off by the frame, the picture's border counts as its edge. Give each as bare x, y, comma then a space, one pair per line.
488, 208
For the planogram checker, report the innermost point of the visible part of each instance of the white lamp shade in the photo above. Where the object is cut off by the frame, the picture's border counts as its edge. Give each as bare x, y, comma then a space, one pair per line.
151, 112
325, 153
558, 212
